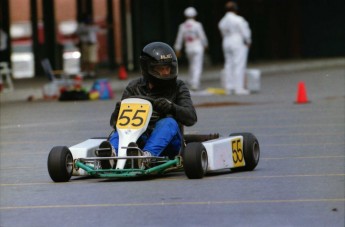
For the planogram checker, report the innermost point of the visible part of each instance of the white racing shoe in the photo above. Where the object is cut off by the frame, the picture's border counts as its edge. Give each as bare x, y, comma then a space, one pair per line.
106, 150
242, 92
147, 161
134, 150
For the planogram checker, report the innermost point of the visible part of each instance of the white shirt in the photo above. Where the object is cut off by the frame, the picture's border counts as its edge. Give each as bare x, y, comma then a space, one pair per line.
235, 31
192, 34
88, 33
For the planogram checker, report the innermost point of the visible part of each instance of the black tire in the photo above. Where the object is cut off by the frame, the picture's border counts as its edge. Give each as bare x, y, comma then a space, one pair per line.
195, 160
60, 164
251, 151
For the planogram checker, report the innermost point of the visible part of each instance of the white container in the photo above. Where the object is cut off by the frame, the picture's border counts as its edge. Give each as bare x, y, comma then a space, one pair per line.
253, 77
51, 91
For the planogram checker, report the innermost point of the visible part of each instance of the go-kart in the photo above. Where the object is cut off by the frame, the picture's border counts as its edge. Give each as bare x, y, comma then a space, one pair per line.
199, 155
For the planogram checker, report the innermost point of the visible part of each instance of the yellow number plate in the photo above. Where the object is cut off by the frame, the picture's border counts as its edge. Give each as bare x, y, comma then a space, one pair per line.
237, 152
132, 116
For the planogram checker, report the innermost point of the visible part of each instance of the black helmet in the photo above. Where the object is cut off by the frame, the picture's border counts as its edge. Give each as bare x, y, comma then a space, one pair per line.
158, 54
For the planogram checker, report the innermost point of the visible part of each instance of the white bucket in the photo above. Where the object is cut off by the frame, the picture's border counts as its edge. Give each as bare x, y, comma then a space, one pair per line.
51, 91
253, 77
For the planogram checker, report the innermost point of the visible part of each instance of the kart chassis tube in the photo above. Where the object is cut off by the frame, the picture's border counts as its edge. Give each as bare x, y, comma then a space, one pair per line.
108, 173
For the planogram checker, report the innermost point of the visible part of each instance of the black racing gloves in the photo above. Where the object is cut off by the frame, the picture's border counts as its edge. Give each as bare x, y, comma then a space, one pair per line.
163, 106
115, 115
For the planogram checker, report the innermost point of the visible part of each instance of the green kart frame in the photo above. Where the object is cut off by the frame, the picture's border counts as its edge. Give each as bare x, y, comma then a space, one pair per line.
161, 166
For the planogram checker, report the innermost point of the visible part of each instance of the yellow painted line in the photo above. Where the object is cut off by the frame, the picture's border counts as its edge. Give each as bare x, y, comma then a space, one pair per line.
301, 144
21, 167
301, 134
282, 127
215, 176
11, 155
52, 123
276, 158
38, 183
282, 176
231, 176
182, 177
305, 157
293, 125
34, 142
229, 202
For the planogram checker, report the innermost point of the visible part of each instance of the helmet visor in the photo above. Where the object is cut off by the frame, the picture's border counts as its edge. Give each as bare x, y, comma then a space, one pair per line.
163, 70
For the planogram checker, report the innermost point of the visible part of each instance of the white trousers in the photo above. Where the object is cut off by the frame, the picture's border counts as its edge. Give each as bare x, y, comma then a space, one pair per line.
195, 61
233, 76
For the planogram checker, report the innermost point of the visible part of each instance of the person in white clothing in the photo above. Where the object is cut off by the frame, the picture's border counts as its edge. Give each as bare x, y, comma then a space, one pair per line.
236, 42
192, 35
87, 32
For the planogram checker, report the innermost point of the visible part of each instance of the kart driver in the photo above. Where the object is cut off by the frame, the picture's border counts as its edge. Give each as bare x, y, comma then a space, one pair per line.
172, 105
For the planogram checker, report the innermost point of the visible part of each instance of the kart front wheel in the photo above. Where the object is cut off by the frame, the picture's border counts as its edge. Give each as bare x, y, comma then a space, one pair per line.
251, 151
60, 164
195, 160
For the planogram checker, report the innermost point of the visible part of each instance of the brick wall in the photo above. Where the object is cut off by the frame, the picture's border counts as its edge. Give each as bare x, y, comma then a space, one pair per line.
64, 10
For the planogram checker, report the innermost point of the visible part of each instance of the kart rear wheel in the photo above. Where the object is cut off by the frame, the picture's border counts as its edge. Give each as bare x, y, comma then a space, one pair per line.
60, 164
195, 160
251, 151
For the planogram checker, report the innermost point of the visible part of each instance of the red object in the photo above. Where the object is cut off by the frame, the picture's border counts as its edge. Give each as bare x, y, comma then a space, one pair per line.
78, 81
122, 73
301, 94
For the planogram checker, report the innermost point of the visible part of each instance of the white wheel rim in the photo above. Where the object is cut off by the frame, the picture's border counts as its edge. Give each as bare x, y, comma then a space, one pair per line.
256, 151
69, 163
204, 161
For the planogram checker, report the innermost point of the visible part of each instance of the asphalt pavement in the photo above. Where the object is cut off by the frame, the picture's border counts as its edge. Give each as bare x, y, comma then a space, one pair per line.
299, 180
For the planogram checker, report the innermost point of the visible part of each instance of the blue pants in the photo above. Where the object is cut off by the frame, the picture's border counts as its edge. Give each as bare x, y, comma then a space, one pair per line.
165, 137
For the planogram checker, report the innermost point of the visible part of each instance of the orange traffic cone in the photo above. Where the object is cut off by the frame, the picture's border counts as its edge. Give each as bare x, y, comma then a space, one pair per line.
122, 73
301, 94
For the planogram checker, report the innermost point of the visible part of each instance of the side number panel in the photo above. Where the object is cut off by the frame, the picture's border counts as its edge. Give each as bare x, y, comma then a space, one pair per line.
237, 152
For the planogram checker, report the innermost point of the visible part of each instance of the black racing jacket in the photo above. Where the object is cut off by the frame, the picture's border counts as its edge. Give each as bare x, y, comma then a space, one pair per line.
183, 109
